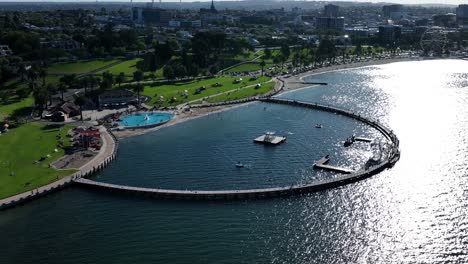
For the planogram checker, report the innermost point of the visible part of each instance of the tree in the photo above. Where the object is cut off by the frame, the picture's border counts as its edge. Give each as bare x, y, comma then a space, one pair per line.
138, 76
40, 96
180, 71
108, 76
120, 78
138, 88
140, 46
43, 75
267, 52
262, 64
214, 69
80, 101
285, 51
51, 90
62, 88
168, 72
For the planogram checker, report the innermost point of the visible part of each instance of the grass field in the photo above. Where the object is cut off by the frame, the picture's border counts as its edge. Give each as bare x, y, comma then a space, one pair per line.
177, 90
21, 147
128, 68
248, 67
79, 67
243, 93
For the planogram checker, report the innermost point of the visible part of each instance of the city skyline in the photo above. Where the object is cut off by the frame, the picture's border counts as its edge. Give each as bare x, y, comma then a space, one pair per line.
412, 2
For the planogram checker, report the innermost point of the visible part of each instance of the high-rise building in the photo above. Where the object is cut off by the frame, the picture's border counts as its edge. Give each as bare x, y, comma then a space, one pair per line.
331, 10
394, 12
462, 15
150, 15
389, 34
329, 23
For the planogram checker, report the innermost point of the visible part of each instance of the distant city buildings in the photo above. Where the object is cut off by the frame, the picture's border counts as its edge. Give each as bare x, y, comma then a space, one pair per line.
331, 10
462, 16
394, 12
389, 34
151, 15
330, 23
447, 20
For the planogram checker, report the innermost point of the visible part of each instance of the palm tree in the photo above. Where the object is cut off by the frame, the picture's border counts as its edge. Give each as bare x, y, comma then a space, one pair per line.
80, 101
120, 78
43, 75
62, 88
40, 95
262, 64
138, 76
51, 90
138, 89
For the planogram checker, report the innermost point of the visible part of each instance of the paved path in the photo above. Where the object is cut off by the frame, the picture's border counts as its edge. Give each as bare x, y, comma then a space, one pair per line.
107, 150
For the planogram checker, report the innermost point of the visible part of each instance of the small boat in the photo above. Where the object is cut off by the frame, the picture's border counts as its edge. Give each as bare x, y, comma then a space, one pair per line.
318, 126
239, 165
349, 141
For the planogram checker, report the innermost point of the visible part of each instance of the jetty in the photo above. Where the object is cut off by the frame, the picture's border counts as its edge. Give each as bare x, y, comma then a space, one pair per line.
270, 139
363, 139
322, 164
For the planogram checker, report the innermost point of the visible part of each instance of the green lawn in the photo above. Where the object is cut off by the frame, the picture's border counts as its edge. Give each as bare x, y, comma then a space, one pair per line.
247, 56
243, 93
21, 147
127, 67
79, 67
177, 90
8, 109
248, 67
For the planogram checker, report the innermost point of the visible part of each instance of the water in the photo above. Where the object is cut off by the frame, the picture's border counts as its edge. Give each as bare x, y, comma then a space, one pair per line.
145, 119
414, 213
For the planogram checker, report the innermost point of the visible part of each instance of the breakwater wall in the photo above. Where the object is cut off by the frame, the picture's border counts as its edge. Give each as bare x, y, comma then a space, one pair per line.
390, 159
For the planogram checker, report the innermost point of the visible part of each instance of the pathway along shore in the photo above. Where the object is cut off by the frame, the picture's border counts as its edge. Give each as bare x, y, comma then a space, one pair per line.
392, 157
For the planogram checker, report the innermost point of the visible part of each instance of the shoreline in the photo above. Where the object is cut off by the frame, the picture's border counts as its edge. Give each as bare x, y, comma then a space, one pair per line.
290, 84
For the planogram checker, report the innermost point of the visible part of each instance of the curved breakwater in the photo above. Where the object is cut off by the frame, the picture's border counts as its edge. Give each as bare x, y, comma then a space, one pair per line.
387, 162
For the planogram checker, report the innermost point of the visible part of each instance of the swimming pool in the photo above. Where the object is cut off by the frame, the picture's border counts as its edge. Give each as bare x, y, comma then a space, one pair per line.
141, 120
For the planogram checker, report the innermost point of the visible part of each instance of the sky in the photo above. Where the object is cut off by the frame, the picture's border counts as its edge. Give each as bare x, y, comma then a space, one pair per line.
453, 2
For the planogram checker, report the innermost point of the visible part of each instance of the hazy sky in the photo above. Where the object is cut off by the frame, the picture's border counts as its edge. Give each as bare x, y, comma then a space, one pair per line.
387, 1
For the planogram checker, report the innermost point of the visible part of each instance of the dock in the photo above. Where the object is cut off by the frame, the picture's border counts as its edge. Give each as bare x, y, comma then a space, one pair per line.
363, 139
270, 138
321, 164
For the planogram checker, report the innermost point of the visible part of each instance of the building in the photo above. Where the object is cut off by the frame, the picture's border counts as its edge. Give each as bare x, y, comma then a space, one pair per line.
389, 34
151, 15
61, 44
211, 10
329, 23
447, 20
5, 51
331, 10
462, 16
394, 12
